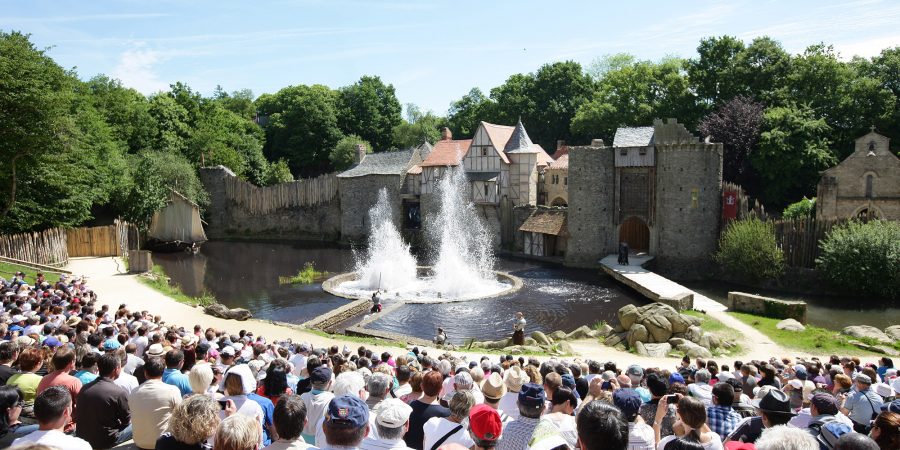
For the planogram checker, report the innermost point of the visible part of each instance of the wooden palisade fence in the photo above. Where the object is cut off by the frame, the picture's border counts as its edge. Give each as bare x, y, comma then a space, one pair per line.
55, 246
264, 200
800, 239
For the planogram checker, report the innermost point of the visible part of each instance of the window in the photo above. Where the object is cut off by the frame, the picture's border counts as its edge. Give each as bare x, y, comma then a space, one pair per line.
623, 151
484, 152
870, 181
566, 181
643, 151
485, 190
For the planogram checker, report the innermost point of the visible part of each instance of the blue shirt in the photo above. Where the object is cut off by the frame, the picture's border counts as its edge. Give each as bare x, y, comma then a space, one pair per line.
85, 376
177, 379
722, 420
862, 405
268, 410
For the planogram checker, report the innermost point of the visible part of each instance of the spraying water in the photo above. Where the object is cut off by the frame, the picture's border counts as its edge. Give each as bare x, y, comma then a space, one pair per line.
465, 260
388, 263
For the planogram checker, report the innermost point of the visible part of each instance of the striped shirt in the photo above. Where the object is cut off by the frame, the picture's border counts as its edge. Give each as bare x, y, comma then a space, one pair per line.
641, 436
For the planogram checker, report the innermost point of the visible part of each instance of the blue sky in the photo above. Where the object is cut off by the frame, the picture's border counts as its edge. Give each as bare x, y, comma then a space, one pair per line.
433, 52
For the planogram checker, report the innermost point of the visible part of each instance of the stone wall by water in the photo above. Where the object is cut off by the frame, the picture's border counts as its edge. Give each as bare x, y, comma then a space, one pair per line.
358, 195
226, 219
766, 306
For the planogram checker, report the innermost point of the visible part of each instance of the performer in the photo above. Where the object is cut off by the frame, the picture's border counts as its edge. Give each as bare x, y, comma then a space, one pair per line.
519, 329
376, 303
441, 337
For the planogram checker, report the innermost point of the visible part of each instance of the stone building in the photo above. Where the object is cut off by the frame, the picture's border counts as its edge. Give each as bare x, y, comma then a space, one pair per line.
359, 187
865, 185
556, 178
545, 232
657, 188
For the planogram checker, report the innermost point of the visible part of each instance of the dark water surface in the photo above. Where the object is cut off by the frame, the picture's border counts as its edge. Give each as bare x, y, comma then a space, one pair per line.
245, 274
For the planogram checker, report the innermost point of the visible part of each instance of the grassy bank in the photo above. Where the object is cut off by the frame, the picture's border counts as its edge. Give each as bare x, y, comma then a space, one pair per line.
813, 340
719, 330
8, 270
307, 275
158, 280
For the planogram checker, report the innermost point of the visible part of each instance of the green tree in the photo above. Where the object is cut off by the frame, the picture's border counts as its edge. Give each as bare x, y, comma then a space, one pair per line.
126, 110
715, 73
607, 63
239, 102
802, 209
793, 148
465, 114
370, 109
278, 172
635, 95
418, 127
302, 127
748, 250
343, 155
153, 174
864, 257
172, 129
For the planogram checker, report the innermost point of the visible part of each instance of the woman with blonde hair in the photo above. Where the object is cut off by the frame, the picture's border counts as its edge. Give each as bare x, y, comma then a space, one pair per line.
238, 432
192, 423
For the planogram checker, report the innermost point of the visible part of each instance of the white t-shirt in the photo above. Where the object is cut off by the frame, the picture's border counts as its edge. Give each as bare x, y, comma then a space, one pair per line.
436, 427
299, 363
127, 382
509, 404
714, 444
640, 436
53, 438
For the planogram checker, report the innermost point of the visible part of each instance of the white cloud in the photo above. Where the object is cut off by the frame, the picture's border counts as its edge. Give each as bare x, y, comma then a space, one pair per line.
137, 69
867, 48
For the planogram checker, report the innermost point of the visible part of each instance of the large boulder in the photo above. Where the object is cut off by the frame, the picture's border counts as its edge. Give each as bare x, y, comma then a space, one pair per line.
615, 339
676, 341
658, 350
627, 315
893, 331
693, 350
640, 349
790, 325
557, 335
637, 333
530, 341
582, 332
604, 330
566, 348
220, 310
866, 331
693, 334
540, 338
659, 327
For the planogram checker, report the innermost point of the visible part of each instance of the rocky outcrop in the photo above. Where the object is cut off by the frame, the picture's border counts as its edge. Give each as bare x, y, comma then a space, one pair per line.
553, 343
868, 332
790, 325
220, 310
893, 331
656, 329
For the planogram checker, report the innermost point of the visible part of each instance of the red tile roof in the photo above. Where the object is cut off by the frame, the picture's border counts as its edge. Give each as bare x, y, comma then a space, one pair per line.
499, 135
561, 163
543, 159
447, 153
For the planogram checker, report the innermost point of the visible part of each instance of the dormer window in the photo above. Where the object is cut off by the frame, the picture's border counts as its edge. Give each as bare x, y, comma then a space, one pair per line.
872, 146
484, 152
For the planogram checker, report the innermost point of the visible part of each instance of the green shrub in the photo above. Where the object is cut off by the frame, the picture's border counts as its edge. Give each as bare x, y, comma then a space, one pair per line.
747, 249
800, 210
864, 257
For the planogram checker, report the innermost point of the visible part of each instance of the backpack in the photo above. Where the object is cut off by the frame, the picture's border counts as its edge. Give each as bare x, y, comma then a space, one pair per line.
827, 432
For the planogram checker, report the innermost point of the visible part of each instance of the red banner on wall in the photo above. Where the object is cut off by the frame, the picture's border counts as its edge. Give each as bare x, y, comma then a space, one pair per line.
729, 204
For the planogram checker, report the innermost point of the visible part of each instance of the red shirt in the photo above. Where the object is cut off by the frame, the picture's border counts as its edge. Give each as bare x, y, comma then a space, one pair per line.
72, 384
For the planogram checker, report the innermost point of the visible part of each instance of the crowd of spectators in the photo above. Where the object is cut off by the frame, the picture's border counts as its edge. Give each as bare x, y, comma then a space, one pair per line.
77, 375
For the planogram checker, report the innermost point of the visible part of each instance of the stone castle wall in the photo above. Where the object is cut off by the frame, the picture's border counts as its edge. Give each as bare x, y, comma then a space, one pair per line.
687, 229
591, 205
359, 195
225, 219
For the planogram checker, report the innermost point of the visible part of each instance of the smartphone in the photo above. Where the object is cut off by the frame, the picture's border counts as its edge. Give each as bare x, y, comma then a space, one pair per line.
671, 399
223, 404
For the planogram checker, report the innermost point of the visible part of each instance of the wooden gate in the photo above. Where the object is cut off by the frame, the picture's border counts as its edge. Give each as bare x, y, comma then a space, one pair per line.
109, 240
636, 233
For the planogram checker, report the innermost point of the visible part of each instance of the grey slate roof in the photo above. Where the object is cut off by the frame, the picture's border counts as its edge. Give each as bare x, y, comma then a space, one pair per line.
633, 137
384, 163
482, 176
519, 142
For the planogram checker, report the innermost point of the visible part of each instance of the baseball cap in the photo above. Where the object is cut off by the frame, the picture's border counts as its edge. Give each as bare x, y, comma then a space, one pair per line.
347, 411
738, 445
629, 401
392, 413
825, 403
484, 423
493, 387
111, 344
227, 351
52, 342
676, 378
635, 372
532, 395
321, 374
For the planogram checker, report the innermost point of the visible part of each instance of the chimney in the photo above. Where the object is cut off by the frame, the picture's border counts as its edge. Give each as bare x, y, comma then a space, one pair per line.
446, 134
597, 143
360, 153
560, 144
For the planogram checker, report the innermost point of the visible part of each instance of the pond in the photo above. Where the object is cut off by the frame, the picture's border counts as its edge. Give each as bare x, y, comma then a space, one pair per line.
245, 274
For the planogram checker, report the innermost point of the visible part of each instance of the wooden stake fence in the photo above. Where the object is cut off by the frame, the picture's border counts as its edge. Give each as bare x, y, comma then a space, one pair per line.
800, 239
46, 247
53, 247
264, 200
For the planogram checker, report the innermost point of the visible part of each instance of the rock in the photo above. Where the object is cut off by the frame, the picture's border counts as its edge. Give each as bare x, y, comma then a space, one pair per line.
637, 333
614, 339
658, 350
530, 341
595, 334
790, 325
220, 310
893, 331
659, 327
693, 334
618, 329
627, 315
532, 349
557, 335
566, 348
693, 320
640, 349
513, 350
866, 331
582, 332
496, 344
604, 330
679, 323
540, 338
876, 348
677, 341
714, 342
693, 350
707, 341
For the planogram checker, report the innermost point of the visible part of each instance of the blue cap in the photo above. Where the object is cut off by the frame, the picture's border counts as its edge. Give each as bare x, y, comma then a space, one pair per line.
532, 394
676, 378
347, 411
568, 381
15, 328
111, 344
321, 374
629, 401
52, 342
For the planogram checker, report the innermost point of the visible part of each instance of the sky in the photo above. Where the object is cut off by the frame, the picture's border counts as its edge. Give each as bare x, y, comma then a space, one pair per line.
433, 52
